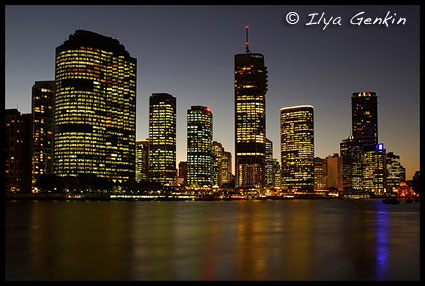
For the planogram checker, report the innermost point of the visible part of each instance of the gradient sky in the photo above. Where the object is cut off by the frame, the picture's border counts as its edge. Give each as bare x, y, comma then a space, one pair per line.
188, 51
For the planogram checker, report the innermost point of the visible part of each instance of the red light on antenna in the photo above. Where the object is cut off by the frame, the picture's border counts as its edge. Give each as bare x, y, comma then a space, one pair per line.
246, 27
246, 44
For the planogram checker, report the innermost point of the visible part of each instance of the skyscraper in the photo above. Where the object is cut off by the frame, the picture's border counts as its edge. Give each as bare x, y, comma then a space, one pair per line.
374, 168
395, 172
364, 106
162, 138
250, 118
297, 147
269, 162
18, 151
199, 146
43, 96
351, 153
95, 108
142, 160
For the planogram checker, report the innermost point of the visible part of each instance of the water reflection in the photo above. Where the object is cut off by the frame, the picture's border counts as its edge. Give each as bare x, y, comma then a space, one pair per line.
238, 240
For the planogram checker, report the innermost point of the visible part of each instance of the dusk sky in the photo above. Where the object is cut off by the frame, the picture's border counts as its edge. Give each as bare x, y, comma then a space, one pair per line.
188, 51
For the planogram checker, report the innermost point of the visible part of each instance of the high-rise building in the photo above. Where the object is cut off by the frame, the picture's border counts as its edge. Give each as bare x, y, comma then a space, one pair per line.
352, 171
374, 169
250, 119
182, 177
199, 146
217, 151
364, 106
395, 172
18, 151
334, 178
276, 177
297, 147
95, 108
142, 160
226, 168
269, 162
43, 116
319, 173
162, 138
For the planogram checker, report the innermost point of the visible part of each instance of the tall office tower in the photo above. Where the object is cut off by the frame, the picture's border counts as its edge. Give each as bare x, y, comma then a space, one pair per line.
95, 108
334, 178
250, 118
276, 178
162, 138
226, 168
297, 147
269, 162
373, 162
199, 146
18, 150
319, 174
43, 96
351, 153
364, 106
183, 172
142, 160
217, 151
395, 172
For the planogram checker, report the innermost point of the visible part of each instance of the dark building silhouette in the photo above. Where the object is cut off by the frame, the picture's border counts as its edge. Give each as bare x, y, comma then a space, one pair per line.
18, 151
43, 118
95, 108
142, 160
250, 119
162, 138
364, 106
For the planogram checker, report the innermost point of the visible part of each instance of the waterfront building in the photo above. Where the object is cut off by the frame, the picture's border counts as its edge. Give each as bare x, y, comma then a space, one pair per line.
142, 160
250, 118
319, 173
373, 162
217, 151
297, 147
226, 168
162, 138
276, 178
43, 124
395, 172
334, 172
364, 107
199, 146
18, 151
182, 177
95, 108
352, 172
269, 162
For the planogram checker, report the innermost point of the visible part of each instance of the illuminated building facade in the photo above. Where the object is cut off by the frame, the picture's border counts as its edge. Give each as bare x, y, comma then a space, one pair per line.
364, 107
319, 173
297, 147
276, 177
250, 119
162, 138
269, 162
395, 172
333, 175
18, 150
43, 96
95, 108
374, 168
217, 150
226, 168
142, 160
199, 146
352, 170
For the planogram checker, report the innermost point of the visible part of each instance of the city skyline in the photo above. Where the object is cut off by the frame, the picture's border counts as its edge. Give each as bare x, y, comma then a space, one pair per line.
300, 70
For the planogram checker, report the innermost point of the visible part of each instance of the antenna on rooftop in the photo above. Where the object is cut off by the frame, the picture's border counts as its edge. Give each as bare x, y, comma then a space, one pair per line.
246, 40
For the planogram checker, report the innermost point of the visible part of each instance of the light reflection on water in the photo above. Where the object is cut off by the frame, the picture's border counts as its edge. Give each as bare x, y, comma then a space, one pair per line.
223, 240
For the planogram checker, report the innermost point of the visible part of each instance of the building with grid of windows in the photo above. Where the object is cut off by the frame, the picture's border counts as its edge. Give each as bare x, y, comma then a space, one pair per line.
364, 108
352, 171
297, 147
43, 96
95, 108
250, 119
162, 138
199, 146
142, 160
